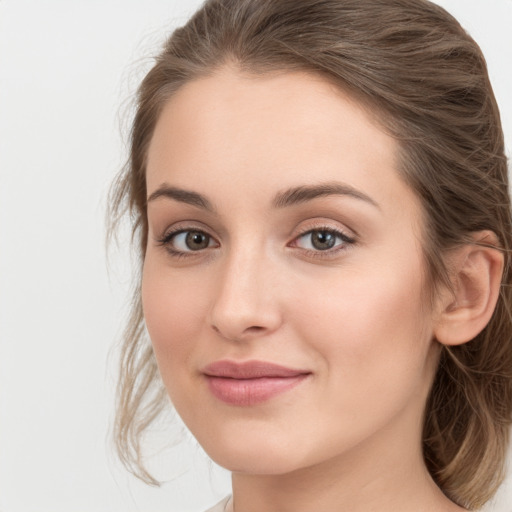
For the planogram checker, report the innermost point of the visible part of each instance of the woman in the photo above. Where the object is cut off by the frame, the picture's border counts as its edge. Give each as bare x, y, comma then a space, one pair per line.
319, 190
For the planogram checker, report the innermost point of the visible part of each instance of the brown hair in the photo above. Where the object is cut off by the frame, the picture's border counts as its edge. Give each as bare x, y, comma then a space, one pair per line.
427, 80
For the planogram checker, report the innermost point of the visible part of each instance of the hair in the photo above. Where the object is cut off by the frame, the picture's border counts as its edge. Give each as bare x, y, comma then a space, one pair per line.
411, 63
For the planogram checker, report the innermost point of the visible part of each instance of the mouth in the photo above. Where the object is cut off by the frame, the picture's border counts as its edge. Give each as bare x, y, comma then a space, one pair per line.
251, 382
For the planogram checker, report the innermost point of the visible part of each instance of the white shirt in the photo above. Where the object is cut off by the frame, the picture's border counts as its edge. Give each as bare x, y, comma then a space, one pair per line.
221, 506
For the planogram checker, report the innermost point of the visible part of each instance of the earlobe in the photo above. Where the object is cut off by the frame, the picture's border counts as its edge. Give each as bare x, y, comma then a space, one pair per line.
476, 276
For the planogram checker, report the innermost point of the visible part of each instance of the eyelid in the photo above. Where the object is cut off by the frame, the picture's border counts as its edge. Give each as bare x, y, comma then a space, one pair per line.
337, 232
347, 237
182, 227
321, 224
348, 240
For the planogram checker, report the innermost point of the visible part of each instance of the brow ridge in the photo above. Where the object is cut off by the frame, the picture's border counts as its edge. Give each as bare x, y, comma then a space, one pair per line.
181, 195
304, 193
286, 198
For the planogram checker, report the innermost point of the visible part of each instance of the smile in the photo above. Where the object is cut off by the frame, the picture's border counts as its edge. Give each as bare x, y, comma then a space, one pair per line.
252, 382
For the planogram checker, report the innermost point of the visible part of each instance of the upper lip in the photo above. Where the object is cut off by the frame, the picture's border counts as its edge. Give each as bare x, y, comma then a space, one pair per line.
250, 370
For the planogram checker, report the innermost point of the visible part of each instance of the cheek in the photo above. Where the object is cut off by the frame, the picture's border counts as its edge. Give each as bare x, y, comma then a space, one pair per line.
375, 349
372, 329
173, 310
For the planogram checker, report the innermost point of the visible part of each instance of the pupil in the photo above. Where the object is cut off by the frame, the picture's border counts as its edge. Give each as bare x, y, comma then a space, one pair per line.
323, 240
196, 241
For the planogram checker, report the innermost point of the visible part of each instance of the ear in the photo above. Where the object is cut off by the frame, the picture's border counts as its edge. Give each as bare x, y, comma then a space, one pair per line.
476, 270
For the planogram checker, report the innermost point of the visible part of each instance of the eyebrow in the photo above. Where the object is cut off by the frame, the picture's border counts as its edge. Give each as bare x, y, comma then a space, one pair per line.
302, 194
287, 198
181, 195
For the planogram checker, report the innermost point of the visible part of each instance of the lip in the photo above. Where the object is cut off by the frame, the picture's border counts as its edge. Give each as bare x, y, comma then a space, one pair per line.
250, 382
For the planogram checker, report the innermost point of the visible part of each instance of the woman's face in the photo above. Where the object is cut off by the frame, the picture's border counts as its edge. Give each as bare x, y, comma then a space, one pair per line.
283, 280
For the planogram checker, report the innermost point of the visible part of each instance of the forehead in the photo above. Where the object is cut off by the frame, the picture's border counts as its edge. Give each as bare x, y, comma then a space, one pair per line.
270, 132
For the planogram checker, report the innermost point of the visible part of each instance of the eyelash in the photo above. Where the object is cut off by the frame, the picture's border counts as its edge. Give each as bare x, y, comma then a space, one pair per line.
166, 241
346, 240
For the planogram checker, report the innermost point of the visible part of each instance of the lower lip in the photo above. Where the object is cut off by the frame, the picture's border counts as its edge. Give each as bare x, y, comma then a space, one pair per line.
246, 392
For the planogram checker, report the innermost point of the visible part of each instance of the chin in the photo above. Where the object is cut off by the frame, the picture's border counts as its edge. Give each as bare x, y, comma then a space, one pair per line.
253, 454
257, 462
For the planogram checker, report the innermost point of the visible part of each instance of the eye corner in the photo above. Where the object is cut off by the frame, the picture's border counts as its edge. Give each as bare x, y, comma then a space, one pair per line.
187, 241
322, 241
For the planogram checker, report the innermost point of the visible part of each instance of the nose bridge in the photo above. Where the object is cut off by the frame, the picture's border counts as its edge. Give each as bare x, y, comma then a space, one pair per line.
244, 303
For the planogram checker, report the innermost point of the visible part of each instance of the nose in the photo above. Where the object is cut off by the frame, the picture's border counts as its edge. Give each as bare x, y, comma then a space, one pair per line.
246, 303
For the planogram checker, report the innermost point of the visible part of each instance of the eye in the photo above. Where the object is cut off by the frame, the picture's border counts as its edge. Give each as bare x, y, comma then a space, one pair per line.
322, 240
186, 241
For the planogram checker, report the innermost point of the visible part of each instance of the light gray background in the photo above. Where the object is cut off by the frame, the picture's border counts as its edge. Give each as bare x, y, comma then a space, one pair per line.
67, 70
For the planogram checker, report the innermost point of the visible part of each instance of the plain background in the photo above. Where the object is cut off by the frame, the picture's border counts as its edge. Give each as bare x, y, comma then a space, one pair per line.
68, 69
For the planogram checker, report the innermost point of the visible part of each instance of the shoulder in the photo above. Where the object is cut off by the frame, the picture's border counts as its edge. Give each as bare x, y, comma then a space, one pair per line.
221, 506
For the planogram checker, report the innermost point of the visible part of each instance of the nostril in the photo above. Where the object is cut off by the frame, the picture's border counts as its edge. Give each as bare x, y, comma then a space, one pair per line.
254, 329
246, 333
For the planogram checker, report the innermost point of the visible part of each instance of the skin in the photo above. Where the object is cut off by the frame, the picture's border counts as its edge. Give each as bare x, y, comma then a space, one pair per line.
348, 437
